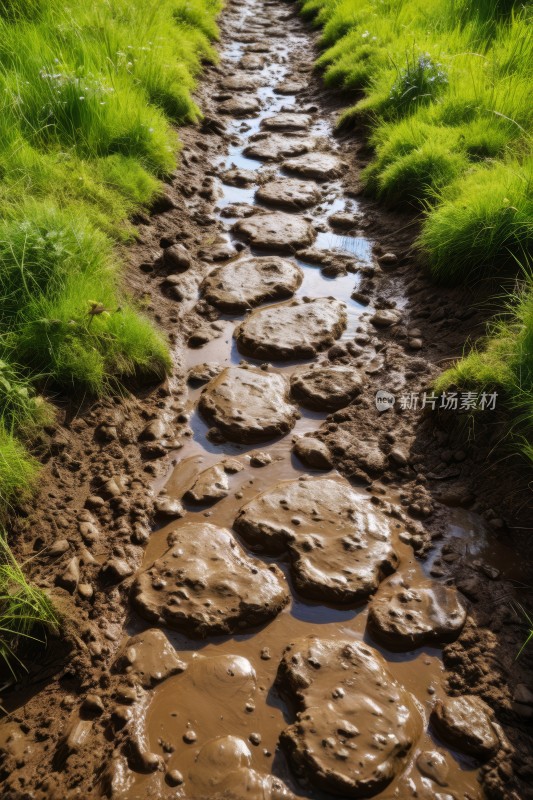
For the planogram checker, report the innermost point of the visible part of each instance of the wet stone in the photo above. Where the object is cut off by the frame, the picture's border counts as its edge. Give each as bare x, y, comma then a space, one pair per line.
275, 146
148, 659
240, 83
240, 106
289, 193
252, 62
297, 329
338, 544
276, 231
289, 87
203, 373
211, 485
247, 282
465, 723
287, 121
312, 452
205, 584
356, 743
408, 612
248, 405
318, 166
168, 507
238, 177
433, 765
385, 318
325, 388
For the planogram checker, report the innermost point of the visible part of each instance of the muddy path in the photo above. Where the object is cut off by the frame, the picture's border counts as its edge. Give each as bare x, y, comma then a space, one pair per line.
274, 589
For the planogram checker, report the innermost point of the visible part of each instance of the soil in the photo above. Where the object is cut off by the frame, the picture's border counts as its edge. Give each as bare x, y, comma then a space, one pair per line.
218, 641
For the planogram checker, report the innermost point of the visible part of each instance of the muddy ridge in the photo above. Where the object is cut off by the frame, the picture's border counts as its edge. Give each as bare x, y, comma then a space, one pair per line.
273, 590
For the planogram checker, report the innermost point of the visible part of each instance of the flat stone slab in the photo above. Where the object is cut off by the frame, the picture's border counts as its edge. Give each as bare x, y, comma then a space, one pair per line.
238, 177
210, 485
248, 405
275, 146
205, 584
289, 87
466, 724
297, 329
240, 106
252, 62
289, 193
287, 121
325, 388
247, 282
355, 725
318, 166
240, 83
339, 546
277, 231
408, 612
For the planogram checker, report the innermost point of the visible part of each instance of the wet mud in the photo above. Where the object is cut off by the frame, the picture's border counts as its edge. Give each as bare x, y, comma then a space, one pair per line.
275, 621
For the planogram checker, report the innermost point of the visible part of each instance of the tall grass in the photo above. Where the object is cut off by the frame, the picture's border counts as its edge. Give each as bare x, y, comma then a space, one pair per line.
26, 612
90, 94
445, 95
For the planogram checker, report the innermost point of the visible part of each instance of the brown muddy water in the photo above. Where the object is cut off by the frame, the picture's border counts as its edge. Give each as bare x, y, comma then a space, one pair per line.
213, 729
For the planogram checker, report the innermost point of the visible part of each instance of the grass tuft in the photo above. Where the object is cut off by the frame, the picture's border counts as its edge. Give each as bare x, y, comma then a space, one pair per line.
26, 612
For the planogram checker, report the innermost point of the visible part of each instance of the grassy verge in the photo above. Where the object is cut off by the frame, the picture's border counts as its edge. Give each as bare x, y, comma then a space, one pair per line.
444, 88
90, 94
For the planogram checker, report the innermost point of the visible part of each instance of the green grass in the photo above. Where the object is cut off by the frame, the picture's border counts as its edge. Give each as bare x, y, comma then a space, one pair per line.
90, 97
26, 612
443, 90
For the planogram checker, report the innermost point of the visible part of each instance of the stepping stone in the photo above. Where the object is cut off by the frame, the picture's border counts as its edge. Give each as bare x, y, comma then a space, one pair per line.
289, 193
248, 405
465, 723
211, 485
355, 724
339, 545
298, 329
205, 584
240, 83
318, 166
289, 87
275, 146
239, 177
287, 121
408, 612
240, 106
252, 62
247, 282
275, 231
325, 388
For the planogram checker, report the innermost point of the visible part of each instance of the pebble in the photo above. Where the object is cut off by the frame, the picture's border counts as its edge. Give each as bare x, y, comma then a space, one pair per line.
189, 737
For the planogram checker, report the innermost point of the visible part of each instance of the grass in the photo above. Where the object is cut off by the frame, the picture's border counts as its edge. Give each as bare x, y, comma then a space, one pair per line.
442, 88
26, 612
90, 97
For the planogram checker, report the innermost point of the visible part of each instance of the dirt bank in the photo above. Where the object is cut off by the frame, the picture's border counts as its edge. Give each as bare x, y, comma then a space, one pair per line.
262, 486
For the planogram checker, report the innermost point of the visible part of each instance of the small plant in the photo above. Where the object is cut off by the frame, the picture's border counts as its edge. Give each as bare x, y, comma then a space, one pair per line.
529, 636
26, 613
418, 84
